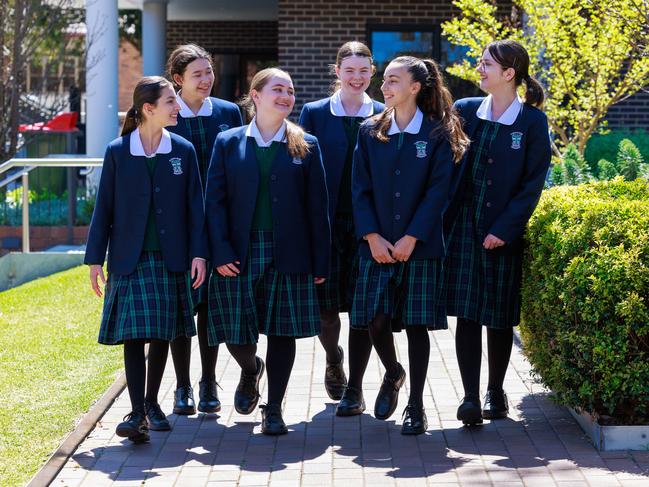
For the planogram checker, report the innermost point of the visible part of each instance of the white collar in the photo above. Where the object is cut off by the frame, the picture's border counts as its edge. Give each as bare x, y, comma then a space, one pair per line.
337, 109
507, 118
186, 112
253, 131
413, 126
137, 149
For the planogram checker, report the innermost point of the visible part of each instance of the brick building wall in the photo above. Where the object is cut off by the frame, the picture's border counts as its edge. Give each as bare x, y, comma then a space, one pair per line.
631, 113
224, 36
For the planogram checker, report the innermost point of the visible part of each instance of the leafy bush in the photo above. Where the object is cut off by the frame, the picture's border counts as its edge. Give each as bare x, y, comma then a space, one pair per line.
45, 208
585, 324
629, 160
573, 168
605, 146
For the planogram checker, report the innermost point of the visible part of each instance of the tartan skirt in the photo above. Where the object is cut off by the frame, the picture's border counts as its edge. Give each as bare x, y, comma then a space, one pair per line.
337, 292
261, 300
409, 292
150, 303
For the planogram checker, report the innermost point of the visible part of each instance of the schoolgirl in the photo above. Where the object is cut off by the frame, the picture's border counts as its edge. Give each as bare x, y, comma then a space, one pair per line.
266, 206
149, 210
335, 121
200, 119
401, 177
499, 184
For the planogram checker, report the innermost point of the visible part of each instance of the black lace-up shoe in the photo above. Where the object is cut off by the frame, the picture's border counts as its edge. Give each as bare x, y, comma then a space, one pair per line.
352, 403
208, 398
414, 420
386, 400
495, 405
246, 396
134, 427
156, 419
335, 378
272, 422
469, 410
184, 401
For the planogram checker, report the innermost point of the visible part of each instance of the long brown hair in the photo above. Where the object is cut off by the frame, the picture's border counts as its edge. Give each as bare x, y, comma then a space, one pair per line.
181, 57
510, 54
349, 49
295, 141
148, 90
433, 99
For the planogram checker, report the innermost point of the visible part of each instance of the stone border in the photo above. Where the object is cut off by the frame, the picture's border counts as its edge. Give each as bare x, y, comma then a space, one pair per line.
48, 472
611, 438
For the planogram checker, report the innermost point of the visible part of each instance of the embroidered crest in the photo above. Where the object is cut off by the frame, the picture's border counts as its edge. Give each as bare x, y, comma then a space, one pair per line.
516, 140
176, 165
296, 160
420, 145
224, 127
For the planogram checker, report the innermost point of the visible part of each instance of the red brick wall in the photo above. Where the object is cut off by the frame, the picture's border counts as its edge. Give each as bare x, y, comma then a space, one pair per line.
130, 72
224, 36
41, 238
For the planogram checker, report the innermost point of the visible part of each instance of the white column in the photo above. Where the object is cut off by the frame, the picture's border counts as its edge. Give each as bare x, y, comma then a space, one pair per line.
154, 37
102, 124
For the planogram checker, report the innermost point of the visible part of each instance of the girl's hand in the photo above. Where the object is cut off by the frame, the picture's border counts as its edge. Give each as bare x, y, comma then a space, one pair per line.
97, 271
318, 280
403, 248
380, 248
198, 272
492, 242
229, 270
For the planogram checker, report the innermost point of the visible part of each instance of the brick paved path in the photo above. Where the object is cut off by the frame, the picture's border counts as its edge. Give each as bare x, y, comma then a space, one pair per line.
539, 445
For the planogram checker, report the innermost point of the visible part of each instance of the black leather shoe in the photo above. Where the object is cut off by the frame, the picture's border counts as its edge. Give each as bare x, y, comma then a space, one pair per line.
156, 419
208, 397
335, 378
272, 422
469, 411
495, 405
134, 427
352, 403
246, 396
184, 401
386, 400
414, 420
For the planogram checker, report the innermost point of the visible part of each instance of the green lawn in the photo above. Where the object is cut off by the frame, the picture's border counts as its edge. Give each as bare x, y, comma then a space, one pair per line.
51, 367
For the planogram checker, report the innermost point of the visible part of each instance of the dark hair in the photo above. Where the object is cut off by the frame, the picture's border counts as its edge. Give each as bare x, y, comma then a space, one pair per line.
349, 49
433, 99
297, 145
148, 90
182, 56
510, 54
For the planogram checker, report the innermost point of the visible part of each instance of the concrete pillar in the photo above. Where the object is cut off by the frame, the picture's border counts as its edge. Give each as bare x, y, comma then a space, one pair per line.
102, 124
154, 37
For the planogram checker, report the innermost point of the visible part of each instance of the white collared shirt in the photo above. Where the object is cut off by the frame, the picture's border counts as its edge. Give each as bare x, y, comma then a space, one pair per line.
507, 118
186, 112
413, 126
137, 148
253, 131
338, 110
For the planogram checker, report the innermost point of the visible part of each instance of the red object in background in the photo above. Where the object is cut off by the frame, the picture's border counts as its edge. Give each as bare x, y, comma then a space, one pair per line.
63, 122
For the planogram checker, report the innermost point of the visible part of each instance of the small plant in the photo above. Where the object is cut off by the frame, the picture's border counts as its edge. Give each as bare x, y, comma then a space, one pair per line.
629, 160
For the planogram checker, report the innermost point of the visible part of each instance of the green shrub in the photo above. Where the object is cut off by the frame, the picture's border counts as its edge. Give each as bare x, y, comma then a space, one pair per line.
585, 324
629, 160
605, 146
606, 170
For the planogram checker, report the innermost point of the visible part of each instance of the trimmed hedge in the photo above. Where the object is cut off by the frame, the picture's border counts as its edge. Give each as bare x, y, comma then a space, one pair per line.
585, 323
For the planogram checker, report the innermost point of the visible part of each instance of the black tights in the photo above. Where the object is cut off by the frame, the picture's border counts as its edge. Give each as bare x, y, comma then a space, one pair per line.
137, 372
330, 333
181, 349
468, 347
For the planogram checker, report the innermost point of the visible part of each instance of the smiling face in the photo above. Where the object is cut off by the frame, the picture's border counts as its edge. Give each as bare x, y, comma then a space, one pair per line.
398, 88
197, 80
275, 98
492, 75
354, 74
164, 112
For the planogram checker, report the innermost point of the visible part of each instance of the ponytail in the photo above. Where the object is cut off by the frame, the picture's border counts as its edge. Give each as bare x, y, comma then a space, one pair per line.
131, 121
148, 90
534, 94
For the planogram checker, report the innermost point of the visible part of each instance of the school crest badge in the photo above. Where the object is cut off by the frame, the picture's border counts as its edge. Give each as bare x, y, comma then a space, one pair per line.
516, 140
420, 145
224, 127
176, 165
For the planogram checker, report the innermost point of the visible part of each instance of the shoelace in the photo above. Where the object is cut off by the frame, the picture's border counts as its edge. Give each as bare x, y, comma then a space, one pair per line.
154, 411
130, 416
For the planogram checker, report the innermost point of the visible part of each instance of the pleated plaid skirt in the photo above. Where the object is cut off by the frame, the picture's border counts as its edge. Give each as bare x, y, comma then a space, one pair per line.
337, 292
261, 300
409, 292
150, 303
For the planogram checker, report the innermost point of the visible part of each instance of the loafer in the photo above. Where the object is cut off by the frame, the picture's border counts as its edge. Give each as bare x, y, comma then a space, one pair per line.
208, 398
246, 396
469, 411
335, 379
134, 427
495, 405
352, 403
386, 400
156, 419
272, 422
415, 421
184, 401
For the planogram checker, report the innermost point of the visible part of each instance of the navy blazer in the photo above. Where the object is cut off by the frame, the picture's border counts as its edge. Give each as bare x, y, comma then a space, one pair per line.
317, 119
397, 192
122, 208
298, 193
518, 162
225, 115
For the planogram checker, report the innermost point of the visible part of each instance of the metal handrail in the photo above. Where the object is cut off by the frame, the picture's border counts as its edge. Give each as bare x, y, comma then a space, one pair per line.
28, 164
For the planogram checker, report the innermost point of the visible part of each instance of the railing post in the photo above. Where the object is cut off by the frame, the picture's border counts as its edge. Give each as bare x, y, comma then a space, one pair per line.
26, 212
